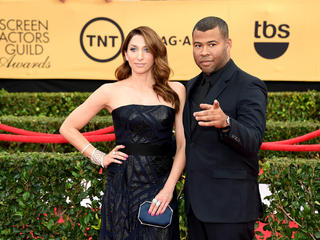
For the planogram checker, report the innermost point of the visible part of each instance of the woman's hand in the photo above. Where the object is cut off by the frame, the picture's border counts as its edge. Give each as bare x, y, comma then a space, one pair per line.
114, 156
163, 198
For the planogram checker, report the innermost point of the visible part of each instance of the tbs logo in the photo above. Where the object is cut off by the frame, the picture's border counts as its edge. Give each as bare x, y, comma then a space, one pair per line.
274, 49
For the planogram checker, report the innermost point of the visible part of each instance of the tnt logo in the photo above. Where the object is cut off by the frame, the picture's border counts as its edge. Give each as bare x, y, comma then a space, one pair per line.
101, 39
270, 49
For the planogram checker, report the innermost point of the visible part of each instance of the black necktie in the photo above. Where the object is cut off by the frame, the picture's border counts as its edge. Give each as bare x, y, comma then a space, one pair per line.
200, 93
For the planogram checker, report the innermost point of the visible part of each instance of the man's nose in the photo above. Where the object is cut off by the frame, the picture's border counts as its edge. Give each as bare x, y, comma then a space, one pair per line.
204, 51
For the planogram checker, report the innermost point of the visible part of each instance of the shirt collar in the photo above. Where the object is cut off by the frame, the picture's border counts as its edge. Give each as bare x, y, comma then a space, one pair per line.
214, 76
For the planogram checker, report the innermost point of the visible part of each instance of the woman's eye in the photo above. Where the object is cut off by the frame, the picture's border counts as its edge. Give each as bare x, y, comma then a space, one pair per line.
146, 50
133, 49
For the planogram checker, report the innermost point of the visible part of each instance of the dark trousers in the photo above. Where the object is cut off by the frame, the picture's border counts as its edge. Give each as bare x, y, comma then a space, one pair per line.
198, 230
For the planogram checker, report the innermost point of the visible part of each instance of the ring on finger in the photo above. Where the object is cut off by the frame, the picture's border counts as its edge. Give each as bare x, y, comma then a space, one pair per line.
154, 201
114, 152
158, 203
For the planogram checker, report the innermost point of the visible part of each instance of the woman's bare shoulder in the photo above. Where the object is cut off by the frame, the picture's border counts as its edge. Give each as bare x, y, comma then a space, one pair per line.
112, 87
177, 86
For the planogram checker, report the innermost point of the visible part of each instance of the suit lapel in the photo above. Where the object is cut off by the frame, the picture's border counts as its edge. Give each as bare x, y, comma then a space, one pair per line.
215, 91
187, 114
221, 84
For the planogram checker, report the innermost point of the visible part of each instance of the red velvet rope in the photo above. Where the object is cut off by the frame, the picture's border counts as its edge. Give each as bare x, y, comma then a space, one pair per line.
286, 145
103, 135
53, 139
30, 133
290, 148
36, 137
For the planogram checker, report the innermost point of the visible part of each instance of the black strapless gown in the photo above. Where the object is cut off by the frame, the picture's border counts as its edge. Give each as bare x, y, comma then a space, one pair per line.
146, 131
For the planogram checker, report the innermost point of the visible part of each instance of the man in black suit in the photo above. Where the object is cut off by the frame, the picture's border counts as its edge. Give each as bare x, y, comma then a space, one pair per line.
224, 121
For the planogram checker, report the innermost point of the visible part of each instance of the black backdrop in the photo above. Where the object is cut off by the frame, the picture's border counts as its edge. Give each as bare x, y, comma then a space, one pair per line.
60, 85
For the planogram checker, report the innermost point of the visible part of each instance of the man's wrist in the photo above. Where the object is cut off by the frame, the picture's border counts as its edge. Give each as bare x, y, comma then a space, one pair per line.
228, 121
228, 125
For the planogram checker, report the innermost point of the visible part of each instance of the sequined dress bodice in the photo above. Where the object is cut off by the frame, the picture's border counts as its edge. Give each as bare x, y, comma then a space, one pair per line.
143, 123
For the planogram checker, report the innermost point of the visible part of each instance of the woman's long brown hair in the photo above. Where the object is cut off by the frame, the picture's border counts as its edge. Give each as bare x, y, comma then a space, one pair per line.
160, 70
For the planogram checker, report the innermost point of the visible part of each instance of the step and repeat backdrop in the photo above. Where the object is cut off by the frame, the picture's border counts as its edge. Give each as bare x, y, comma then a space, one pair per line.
81, 39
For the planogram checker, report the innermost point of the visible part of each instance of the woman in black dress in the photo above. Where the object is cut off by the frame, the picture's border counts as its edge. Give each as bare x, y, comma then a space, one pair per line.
145, 108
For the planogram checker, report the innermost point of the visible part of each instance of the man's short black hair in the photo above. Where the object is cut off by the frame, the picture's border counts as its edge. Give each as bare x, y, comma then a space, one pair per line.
209, 23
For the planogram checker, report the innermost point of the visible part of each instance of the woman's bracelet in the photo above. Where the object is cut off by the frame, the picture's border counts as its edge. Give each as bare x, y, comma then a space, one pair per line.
89, 144
97, 157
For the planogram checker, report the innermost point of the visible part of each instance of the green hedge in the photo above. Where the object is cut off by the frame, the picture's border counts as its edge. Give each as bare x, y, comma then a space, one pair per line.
295, 188
282, 106
294, 106
32, 185
275, 131
41, 104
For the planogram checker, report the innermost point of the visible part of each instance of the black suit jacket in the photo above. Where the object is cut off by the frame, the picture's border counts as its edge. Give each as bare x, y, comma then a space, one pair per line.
222, 169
